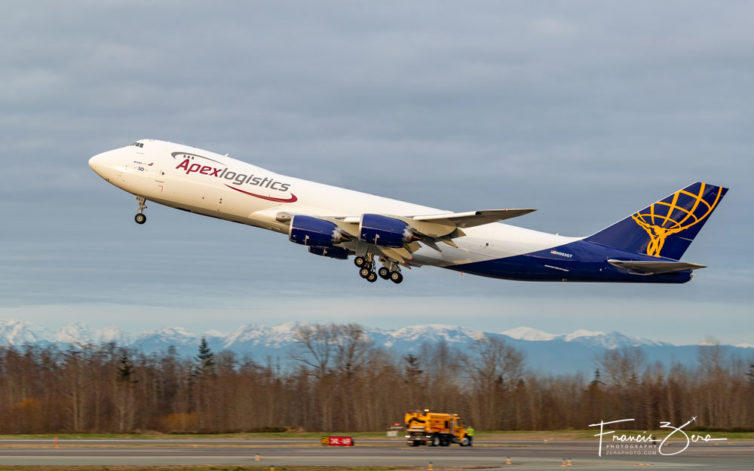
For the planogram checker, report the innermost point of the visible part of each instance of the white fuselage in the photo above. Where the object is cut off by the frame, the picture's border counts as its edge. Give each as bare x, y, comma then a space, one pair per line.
215, 185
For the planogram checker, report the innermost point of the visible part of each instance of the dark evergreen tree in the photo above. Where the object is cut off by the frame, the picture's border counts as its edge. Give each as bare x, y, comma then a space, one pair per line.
412, 367
125, 367
597, 381
205, 360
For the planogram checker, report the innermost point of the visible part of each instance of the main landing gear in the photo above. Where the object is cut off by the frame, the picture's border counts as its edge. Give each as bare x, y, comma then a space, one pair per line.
140, 217
365, 267
366, 264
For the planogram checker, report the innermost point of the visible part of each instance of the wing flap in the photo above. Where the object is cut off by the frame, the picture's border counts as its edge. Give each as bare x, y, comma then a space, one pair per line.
399, 254
651, 267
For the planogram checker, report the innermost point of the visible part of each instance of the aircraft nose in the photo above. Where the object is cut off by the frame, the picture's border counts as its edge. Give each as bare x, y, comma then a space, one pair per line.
94, 161
105, 164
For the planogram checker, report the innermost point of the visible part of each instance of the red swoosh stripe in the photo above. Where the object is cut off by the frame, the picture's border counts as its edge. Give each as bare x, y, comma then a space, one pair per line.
292, 199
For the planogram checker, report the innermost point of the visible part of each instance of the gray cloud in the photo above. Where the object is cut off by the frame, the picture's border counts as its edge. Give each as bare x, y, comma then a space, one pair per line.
584, 110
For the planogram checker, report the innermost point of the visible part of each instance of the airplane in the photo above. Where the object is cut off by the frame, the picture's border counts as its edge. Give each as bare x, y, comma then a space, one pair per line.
339, 223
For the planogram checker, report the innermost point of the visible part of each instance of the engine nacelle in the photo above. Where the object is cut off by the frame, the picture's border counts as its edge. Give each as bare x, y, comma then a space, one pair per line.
307, 230
332, 252
385, 231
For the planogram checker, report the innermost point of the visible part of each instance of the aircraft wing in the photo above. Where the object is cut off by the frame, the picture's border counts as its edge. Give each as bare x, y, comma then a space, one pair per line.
651, 267
443, 227
427, 229
474, 218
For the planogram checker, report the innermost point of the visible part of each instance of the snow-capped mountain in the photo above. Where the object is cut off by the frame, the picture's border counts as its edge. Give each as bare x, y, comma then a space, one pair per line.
74, 334
433, 333
610, 341
527, 333
15, 332
573, 352
79, 334
184, 342
111, 334
259, 335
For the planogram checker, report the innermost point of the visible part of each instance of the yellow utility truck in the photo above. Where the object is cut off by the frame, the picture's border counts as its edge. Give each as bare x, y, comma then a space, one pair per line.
434, 429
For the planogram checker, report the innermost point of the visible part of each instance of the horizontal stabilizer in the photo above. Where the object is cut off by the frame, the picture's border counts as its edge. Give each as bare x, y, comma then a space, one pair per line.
474, 218
651, 267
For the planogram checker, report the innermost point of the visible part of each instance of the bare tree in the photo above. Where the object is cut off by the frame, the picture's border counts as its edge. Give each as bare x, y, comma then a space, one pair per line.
315, 347
124, 394
351, 347
341, 382
622, 367
494, 368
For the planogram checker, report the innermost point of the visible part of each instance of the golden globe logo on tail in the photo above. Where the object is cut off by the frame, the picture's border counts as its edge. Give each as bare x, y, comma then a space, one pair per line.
660, 226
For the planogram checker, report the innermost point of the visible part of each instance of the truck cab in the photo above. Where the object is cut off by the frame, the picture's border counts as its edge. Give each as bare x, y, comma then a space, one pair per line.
434, 429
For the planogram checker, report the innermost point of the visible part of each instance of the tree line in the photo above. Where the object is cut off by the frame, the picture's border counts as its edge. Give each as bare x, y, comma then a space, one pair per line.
334, 379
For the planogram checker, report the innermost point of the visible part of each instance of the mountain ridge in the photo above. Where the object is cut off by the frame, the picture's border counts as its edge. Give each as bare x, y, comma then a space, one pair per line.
574, 352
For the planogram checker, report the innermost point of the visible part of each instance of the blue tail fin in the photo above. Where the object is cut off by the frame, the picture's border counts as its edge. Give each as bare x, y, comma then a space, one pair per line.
666, 228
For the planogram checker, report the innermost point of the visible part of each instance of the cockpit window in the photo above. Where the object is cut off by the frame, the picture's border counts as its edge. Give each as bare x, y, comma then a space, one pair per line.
138, 144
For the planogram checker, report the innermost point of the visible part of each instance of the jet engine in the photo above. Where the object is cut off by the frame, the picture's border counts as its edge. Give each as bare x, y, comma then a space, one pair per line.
333, 252
307, 230
385, 231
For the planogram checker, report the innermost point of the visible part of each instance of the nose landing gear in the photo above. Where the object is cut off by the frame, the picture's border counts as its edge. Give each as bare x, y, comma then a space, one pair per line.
140, 217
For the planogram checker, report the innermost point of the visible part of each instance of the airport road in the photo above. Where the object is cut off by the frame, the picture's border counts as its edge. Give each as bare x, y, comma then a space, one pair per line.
731, 455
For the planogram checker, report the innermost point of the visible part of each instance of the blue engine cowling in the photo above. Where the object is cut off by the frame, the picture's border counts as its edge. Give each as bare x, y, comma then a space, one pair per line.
332, 252
307, 230
385, 231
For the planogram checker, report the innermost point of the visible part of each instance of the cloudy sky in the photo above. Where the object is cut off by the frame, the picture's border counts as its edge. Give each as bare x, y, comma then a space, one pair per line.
585, 110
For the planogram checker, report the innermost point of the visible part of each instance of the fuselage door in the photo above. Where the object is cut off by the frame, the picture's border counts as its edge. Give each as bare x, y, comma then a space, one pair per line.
159, 175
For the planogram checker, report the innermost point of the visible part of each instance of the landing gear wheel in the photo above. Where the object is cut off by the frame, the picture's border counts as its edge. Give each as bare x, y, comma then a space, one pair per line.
396, 277
364, 272
372, 277
384, 273
140, 218
359, 261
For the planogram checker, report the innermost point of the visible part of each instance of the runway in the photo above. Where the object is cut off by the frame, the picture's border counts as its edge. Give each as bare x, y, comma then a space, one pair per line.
731, 455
